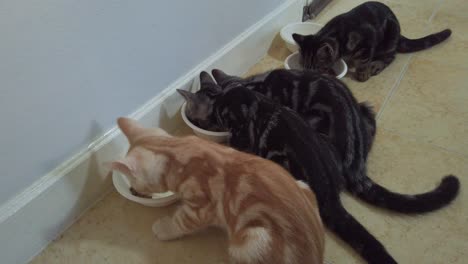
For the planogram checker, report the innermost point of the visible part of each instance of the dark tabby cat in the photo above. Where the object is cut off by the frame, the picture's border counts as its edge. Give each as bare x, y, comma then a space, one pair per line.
324, 102
330, 108
259, 126
367, 38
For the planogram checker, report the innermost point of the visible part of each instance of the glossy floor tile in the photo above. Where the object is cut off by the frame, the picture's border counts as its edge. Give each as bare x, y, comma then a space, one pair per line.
431, 104
422, 99
119, 231
376, 89
454, 50
408, 166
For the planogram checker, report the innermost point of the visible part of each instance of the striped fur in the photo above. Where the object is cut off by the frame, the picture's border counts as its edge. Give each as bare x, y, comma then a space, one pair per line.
367, 38
258, 125
269, 217
330, 108
324, 102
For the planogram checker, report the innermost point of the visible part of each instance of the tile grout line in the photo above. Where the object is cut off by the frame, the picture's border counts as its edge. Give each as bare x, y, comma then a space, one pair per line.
434, 12
415, 139
405, 67
394, 88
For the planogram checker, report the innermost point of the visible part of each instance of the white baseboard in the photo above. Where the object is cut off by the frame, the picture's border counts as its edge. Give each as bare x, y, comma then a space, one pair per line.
32, 219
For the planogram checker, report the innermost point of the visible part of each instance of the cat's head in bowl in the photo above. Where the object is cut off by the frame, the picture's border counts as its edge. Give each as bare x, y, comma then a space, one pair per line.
200, 105
144, 168
317, 53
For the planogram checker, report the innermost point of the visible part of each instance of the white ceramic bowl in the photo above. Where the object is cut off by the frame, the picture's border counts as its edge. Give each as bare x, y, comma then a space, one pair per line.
122, 185
303, 28
293, 62
219, 137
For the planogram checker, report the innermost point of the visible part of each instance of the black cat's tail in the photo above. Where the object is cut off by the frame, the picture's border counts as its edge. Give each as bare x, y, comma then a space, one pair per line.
377, 195
346, 227
406, 45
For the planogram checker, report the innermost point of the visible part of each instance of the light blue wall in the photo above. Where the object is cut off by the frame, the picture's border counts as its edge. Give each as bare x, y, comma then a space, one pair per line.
68, 68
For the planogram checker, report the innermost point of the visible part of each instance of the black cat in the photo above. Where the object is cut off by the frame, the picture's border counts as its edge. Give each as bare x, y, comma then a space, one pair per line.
260, 126
367, 38
330, 108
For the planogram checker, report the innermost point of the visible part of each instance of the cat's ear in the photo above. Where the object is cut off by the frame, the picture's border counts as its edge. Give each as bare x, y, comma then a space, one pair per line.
205, 78
220, 76
298, 38
206, 81
223, 79
327, 52
125, 166
130, 127
354, 39
188, 96
193, 100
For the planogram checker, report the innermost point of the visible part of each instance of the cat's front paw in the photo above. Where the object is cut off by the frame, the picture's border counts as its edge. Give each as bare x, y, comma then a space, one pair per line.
376, 67
163, 229
362, 76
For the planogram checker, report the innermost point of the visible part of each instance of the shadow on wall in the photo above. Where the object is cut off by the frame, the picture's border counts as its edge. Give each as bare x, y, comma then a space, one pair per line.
90, 180
87, 183
114, 223
168, 116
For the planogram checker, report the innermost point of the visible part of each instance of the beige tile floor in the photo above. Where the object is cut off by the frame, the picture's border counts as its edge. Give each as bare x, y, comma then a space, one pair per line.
422, 104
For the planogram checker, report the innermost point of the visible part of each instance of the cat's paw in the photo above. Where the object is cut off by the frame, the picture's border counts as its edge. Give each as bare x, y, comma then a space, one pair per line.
163, 229
376, 67
362, 76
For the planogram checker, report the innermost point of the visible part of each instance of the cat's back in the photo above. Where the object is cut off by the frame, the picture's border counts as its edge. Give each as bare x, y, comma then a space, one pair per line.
373, 13
252, 197
326, 104
259, 192
287, 208
298, 88
370, 7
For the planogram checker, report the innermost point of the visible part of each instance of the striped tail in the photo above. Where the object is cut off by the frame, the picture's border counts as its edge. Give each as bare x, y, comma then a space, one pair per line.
377, 195
406, 45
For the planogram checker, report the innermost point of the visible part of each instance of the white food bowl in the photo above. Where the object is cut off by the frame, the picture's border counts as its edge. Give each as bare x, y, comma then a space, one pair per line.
122, 185
219, 137
303, 28
293, 61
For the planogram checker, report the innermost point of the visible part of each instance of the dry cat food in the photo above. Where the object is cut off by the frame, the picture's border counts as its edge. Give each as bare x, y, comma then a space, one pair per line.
139, 194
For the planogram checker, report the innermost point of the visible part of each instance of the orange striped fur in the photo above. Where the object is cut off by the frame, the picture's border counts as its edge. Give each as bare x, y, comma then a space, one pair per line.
269, 217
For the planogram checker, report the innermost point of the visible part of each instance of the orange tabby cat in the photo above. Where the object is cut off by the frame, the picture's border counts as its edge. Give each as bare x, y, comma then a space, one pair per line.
269, 217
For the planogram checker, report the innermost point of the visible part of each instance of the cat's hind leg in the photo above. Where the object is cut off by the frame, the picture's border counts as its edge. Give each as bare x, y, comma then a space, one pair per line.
378, 56
250, 245
386, 49
346, 227
376, 66
363, 57
363, 64
380, 63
